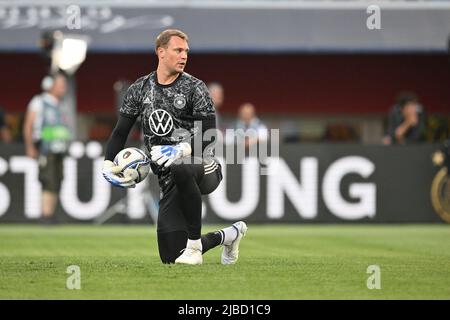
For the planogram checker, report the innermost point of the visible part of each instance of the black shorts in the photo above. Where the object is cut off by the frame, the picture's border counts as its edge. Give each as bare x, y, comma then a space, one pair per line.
51, 172
170, 217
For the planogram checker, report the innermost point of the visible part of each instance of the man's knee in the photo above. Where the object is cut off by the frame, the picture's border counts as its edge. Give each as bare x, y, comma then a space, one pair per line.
168, 253
167, 259
171, 245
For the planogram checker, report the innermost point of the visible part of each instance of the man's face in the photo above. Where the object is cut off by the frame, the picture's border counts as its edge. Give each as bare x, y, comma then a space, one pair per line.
247, 113
409, 109
174, 57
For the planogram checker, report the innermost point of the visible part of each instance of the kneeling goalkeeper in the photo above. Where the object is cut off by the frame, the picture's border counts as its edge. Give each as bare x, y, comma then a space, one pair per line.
175, 108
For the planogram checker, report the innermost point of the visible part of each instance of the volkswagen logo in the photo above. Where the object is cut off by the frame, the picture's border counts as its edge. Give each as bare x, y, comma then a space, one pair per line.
161, 122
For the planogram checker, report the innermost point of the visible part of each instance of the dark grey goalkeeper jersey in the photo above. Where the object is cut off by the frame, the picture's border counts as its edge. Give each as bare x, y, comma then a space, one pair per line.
170, 113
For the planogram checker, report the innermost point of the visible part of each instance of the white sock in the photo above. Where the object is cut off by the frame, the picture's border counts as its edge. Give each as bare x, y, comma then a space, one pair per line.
195, 244
229, 235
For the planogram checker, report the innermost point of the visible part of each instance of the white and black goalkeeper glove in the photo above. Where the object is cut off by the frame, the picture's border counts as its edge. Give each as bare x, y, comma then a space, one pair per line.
114, 175
167, 154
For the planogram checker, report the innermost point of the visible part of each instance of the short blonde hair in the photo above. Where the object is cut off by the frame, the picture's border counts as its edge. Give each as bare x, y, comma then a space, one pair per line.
164, 37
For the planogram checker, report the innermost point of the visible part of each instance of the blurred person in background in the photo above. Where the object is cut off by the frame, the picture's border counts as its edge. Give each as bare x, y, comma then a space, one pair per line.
290, 131
406, 121
248, 124
46, 137
5, 133
217, 95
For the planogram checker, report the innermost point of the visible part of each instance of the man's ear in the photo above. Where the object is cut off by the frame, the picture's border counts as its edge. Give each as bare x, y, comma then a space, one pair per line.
161, 52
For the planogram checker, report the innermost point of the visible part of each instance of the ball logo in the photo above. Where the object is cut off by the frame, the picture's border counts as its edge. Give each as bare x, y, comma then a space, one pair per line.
161, 122
126, 154
179, 102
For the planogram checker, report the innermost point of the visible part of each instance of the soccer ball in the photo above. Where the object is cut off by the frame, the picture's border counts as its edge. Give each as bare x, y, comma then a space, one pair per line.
134, 158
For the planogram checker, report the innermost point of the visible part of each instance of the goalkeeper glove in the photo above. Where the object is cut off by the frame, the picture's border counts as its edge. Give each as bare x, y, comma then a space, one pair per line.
167, 154
114, 175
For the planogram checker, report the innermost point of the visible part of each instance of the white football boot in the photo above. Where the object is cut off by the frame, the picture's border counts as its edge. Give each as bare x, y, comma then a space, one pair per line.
192, 254
230, 252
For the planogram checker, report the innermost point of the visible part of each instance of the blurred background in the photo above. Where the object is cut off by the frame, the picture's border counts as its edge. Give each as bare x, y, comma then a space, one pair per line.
333, 76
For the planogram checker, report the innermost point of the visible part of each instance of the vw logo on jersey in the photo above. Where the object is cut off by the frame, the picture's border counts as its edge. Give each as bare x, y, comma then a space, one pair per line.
180, 101
161, 122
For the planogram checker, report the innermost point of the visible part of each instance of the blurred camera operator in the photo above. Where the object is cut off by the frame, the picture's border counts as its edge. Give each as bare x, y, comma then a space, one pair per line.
406, 121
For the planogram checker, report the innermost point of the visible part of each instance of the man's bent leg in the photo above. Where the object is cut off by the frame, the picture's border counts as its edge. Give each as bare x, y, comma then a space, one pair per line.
171, 245
211, 240
186, 178
173, 232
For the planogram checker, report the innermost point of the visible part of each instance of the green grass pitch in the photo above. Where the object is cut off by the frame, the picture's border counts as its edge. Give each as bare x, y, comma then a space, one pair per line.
276, 262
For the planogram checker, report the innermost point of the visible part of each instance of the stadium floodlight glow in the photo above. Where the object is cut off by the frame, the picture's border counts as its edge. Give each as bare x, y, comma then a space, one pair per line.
69, 52
73, 53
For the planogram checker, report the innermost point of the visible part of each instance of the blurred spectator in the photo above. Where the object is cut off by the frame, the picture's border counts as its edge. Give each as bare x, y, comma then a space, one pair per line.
406, 121
5, 133
217, 95
248, 124
290, 132
46, 136
340, 132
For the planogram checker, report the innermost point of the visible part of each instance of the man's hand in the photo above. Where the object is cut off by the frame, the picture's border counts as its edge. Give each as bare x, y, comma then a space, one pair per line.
114, 175
167, 154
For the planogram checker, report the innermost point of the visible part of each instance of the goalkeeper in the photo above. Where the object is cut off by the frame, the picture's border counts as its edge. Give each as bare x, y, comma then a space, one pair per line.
175, 109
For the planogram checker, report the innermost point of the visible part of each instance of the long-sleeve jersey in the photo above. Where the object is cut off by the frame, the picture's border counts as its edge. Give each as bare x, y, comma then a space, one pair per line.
178, 112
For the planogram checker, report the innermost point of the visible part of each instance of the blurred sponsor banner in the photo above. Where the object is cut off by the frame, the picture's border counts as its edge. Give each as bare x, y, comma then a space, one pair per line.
233, 26
309, 183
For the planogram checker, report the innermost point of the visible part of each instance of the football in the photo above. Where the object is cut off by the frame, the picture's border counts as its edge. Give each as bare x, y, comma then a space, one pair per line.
134, 158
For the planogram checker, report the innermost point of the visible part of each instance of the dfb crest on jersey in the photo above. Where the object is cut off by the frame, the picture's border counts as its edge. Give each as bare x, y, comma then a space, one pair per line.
161, 122
180, 101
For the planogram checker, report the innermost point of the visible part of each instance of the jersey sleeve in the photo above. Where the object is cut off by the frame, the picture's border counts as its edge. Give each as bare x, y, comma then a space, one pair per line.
118, 138
204, 114
131, 106
203, 107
